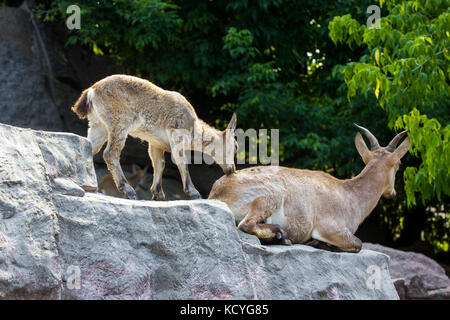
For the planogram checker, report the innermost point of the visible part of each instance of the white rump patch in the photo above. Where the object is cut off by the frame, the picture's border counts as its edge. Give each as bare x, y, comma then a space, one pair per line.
90, 94
278, 217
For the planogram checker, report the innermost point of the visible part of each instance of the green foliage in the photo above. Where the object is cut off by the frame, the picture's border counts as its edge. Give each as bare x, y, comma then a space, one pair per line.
231, 56
121, 28
407, 69
430, 142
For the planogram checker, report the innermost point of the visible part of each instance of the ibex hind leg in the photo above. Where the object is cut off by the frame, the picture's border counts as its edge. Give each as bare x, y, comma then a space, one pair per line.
254, 222
116, 141
97, 135
157, 157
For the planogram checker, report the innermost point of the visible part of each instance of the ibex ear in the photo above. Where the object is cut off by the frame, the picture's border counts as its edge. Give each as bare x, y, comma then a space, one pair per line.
402, 148
362, 148
232, 124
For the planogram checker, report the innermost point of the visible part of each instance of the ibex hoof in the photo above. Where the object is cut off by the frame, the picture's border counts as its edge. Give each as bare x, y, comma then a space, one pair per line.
128, 191
131, 195
195, 196
158, 197
280, 236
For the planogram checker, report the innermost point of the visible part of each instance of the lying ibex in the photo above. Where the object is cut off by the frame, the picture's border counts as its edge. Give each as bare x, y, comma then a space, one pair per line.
285, 205
108, 187
120, 105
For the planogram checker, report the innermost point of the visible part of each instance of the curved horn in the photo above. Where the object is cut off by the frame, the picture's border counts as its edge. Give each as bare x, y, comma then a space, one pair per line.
374, 145
393, 144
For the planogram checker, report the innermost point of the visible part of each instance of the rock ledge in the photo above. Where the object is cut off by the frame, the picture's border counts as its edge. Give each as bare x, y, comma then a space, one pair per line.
59, 241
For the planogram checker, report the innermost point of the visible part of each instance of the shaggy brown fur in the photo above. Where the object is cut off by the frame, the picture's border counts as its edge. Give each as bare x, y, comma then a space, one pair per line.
121, 105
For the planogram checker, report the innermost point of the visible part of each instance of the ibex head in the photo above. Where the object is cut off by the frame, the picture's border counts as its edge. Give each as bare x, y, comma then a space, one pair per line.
222, 146
230, 147
388, 157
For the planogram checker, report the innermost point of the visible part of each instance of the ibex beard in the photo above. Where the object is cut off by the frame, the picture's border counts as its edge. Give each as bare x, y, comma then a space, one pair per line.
121, 105
286, 205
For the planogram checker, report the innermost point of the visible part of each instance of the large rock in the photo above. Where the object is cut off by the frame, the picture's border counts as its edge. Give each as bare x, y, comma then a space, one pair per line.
415, 275
58, 241
33, 166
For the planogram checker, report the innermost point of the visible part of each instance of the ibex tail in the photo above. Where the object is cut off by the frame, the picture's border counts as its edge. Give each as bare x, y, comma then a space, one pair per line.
81, 107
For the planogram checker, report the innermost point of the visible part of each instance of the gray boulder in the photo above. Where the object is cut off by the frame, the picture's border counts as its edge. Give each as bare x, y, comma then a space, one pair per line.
415, 275
61, 240
33, 166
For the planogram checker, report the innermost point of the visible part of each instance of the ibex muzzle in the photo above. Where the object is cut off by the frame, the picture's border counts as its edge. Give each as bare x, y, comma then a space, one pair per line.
285, 205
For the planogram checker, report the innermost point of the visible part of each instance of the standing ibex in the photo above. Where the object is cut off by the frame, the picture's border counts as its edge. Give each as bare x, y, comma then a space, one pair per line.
291, 205
121, 105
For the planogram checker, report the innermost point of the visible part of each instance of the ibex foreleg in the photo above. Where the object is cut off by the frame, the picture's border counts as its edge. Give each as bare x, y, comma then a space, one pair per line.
341, 238
188, 186
254, 222
97, 135
179, 157
322, 245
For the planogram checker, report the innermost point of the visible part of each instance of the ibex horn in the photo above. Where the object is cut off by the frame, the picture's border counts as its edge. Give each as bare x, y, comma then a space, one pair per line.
393, 144
374, 145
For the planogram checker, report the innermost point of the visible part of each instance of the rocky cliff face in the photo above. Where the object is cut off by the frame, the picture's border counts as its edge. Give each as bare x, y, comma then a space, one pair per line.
24, 81
60, 240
